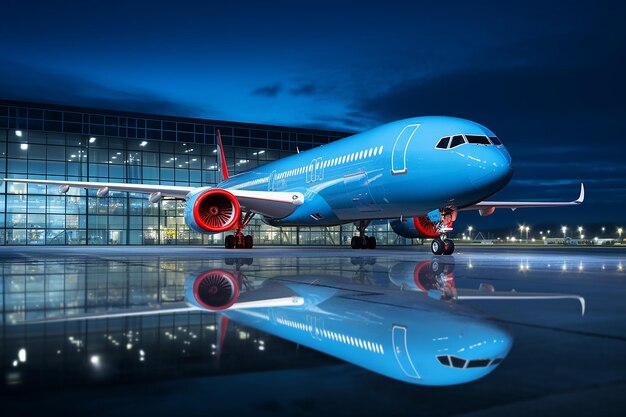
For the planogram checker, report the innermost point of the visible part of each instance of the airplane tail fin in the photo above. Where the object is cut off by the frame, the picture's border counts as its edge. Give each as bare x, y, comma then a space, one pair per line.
221, 163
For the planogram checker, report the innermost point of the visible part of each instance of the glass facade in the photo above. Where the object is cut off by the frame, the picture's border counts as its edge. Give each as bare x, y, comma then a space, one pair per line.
54, 142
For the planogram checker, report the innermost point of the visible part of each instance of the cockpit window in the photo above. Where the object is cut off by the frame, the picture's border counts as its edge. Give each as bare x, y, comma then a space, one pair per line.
457, 362
495, 140
444, 360
456, 141
443, 143
478, 139
478, 363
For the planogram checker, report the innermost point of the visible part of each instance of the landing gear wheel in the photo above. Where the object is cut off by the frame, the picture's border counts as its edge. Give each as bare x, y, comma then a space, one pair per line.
448, 247
371, 242
248, 241
229, 242
436, 246
356, 242
363, 240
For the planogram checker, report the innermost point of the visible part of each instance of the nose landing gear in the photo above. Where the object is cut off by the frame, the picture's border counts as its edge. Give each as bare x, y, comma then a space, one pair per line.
442, 245
361, 241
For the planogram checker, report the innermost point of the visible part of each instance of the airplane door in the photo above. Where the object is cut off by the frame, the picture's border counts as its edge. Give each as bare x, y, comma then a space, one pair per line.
401, 351
270, 182
358, 191
398, 153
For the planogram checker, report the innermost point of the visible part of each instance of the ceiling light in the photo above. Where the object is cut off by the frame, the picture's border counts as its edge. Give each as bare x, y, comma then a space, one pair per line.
23, 146
92, 139
143, 143
18, 133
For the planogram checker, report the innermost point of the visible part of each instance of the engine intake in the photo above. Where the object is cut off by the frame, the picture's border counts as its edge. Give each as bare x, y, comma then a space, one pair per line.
214, 210
214, 290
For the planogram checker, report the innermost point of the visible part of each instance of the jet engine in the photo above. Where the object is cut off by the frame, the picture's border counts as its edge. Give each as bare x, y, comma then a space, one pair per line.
213, 211
212, 290
414, 227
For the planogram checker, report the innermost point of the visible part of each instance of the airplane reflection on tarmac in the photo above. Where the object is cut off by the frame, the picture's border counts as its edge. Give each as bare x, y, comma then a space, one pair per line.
413, 327
421, 338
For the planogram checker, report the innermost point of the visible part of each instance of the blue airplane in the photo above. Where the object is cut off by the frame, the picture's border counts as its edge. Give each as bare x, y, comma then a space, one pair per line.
422, 337
406, 336
418, 173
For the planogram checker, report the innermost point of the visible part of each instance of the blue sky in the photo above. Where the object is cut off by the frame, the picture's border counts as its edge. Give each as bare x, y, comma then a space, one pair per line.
545, 76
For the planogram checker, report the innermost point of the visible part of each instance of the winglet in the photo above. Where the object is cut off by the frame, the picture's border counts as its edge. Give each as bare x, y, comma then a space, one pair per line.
220, 147
581, 197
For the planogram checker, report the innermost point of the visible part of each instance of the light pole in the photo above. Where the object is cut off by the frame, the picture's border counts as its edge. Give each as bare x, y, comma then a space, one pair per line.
619, 232
580, 231
470, 232
564, 230
527, 229
603, 229
521, 230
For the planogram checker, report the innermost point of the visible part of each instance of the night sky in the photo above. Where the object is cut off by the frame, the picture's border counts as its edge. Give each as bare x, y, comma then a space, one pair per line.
546, 77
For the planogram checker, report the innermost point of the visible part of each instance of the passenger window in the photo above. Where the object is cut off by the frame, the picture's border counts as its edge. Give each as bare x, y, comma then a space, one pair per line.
456, 141
495, 140
443, 143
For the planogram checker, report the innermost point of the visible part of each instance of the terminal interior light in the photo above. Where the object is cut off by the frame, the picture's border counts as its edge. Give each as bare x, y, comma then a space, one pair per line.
18, 133
92, 139
23, 146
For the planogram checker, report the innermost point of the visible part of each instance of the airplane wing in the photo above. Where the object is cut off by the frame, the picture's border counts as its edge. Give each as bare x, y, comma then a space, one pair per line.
488, 207
174, 191
487, 292
268, 203
58, 316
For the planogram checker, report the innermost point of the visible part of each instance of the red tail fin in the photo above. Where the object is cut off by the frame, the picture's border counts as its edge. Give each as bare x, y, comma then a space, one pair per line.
220, 147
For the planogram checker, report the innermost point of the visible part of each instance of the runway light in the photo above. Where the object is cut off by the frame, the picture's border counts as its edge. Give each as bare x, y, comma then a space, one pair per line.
95, 360
18, 133
23, 146
92, 139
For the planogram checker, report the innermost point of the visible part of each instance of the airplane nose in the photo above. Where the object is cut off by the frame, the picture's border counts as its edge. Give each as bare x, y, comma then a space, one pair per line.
491, 167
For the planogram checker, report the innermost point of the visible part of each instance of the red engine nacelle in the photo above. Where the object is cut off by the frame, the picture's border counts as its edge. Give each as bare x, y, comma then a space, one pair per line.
413, 228
214, 290
214, 210
425, 227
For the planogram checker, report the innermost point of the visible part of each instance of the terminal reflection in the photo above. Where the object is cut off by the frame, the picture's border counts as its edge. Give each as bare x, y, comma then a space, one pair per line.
105, 320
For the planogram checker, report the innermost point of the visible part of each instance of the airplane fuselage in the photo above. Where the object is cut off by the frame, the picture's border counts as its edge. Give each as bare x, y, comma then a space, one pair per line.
392, 171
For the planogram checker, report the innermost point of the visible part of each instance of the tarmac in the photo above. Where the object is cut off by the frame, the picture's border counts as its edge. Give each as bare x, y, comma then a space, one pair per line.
567, 356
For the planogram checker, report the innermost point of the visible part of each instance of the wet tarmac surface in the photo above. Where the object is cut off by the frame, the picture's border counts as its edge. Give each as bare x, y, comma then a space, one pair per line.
101, 331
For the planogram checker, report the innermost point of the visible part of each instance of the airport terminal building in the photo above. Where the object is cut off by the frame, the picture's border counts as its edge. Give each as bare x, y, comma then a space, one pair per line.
61, 142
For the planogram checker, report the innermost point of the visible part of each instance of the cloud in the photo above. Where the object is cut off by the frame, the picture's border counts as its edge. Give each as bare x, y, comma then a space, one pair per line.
271, 90
22, 82
304, 90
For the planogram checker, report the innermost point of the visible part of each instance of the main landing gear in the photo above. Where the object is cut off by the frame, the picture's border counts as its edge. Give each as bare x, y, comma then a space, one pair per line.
361, 241
238, 240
